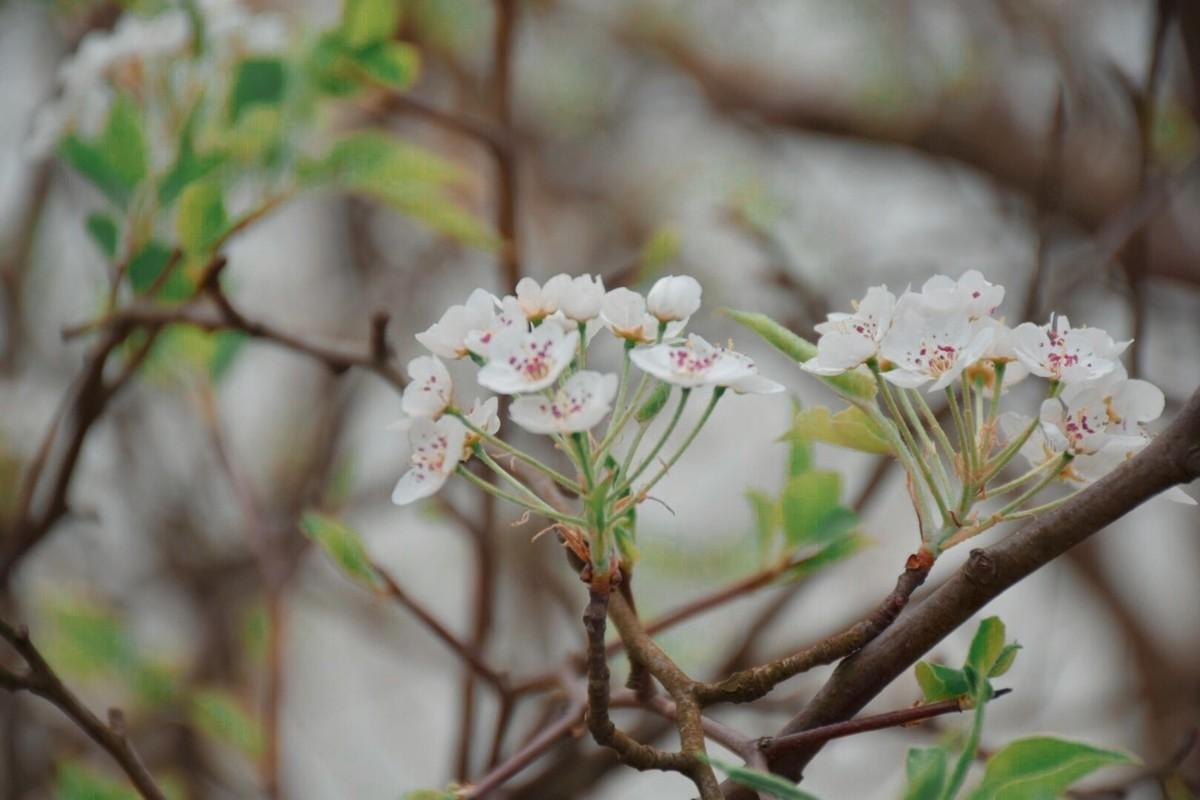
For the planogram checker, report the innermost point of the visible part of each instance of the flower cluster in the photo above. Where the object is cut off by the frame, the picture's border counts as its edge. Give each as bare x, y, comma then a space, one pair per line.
533, 346
947, 337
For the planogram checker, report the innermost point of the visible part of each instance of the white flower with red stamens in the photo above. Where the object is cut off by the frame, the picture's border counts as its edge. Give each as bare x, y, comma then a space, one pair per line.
521, 362
693, 363
579, 298
972, 294
429, 390
1062, 353
578, 405
674, 298
930, 344
848, 340
509, 316
448, 336
436, 451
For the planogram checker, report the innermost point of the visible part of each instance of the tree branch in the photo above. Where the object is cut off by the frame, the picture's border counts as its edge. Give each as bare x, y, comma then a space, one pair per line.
1171, 459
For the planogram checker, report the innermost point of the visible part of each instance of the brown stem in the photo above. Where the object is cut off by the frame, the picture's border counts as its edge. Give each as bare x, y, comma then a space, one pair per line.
751, 684
274, 694
536, 747
41, 680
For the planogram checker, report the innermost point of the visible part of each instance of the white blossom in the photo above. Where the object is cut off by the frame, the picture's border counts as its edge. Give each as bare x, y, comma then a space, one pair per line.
578, 405
674, 298
436, 450
848, 340
624, 313
931, 343
1062, 353
538, 302
694, 362
448, 336
484, 415
528, 361
578, 298
510, 315
429, 390
972, 294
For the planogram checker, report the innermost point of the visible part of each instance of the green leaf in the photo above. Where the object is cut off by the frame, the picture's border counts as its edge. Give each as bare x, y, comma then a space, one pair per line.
89, 640
776, 785
226, 346
393, 64
807, 500
342, 545
147, 265
850, 428
257, 81
189, 165
220, 715
831, 553
766, 518
200, 219
124, 141
852, 384
800, 454
331, 67
1042, 767
1004, 661
103, 230
986, 646
365, 22
76, 782
939, 682
926, 770
92, 163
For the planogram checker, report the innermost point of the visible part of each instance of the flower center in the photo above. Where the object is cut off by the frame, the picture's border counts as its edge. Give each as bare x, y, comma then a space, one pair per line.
534, 365
687, 361
430, 458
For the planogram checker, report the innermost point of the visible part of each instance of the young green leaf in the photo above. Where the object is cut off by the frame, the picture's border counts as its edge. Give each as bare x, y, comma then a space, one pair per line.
926, 771
200, 220
103, 230
365, 22
393, 64
147, 265
654, 403
124, 141
800, 454
776, 785
986, 646
257, 81
221, 716
807, 500
1042, 766
74, 781
1004, 661
342, 545
850, 428
940, 682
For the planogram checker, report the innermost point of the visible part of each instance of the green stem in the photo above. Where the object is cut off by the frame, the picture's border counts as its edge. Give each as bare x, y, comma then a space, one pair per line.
579, 440
1044, 507
909, 441
544, 510
628, 482
712, 403
633, 446
1028, 476
521, 455
967, 757
926, 441
1006, 455
997, 386
508, 477
614, 430
1062, 462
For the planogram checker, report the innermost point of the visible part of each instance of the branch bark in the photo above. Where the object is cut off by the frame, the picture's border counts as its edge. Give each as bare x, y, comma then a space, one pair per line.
1173, 458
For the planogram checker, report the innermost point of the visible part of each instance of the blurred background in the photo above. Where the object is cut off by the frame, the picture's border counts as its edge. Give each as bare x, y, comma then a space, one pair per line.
788, 153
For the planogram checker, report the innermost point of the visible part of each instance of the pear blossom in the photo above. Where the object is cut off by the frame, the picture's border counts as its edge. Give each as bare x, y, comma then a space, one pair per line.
972, 294
848, 340
538, 302
510, 315
579, 298
484, 415
578, 405
623, 312
674, 298
448, 336
528, 361
436, 451
1062, 353
931, 343
1001, 350
430, 390
694, 362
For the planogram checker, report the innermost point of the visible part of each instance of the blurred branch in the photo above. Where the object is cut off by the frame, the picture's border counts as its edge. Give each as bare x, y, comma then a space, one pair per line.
1171, 459
16, 265
40, 679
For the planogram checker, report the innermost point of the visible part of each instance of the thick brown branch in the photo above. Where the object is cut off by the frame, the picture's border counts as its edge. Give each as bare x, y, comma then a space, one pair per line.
1171, 459
40, 679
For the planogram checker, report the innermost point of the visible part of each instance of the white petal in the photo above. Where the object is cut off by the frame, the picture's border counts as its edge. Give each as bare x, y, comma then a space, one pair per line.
757, 384
429, 391
674, 297
529, 362
1177, 495
580, 404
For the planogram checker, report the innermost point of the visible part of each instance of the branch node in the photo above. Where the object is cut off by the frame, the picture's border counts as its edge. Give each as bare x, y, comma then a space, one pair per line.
980, 568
